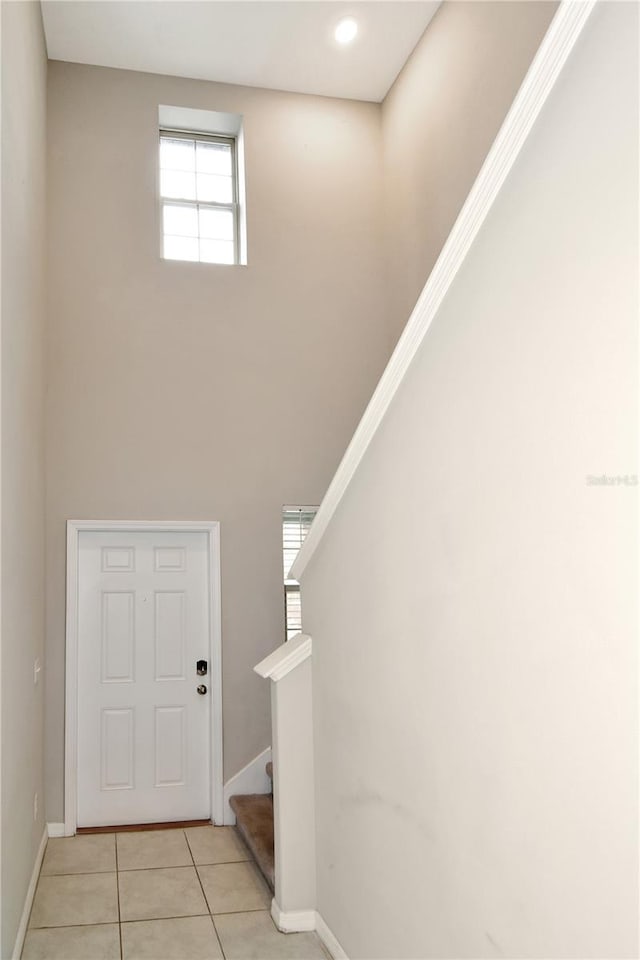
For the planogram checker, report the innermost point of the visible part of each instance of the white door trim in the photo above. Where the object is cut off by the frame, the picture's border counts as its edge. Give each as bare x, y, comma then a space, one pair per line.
74, 527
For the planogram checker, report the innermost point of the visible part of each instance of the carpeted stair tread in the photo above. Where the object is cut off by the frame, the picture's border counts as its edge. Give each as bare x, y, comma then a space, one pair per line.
254, 820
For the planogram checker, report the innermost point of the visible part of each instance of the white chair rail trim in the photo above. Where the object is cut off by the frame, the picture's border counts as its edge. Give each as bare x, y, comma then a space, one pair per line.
536, 86
285, 659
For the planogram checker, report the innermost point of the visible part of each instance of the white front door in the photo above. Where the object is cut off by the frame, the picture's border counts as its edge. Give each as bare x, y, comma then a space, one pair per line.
143, 727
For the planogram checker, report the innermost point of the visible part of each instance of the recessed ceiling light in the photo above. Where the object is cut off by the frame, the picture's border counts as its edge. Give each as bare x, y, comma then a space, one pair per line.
346, 31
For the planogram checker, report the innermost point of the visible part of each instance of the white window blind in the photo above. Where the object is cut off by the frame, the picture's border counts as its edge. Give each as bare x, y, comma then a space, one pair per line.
296, 522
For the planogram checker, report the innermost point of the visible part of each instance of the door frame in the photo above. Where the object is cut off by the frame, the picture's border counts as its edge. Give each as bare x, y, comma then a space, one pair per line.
74, 528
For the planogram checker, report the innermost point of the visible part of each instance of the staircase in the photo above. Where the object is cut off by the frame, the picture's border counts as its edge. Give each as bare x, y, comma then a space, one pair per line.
254, 821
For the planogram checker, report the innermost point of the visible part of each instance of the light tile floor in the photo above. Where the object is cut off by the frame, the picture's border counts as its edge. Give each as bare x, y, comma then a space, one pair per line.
191, 894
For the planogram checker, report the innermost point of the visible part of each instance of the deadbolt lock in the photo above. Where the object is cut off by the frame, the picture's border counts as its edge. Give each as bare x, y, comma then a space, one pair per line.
201, 668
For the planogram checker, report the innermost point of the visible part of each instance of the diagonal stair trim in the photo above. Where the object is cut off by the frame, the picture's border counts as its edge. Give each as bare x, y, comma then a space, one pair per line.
541, 77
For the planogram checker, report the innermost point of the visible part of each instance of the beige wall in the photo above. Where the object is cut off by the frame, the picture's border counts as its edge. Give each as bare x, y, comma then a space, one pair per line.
193, 391
439, 121
473, 603
24, 72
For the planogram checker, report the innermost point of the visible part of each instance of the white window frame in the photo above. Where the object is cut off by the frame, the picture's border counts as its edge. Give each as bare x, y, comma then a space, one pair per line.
234, 206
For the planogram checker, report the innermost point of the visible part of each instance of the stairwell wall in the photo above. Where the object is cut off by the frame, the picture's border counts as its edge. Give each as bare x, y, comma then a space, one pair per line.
193, 391
473, 601
23, 204
438, 122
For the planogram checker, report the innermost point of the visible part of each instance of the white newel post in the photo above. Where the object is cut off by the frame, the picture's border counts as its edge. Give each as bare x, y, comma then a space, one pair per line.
289, 670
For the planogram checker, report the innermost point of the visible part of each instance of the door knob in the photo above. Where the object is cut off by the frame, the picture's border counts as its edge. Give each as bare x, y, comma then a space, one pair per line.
201, 689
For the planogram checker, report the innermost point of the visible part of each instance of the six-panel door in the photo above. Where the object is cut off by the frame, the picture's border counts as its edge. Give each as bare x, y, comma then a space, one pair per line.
143, 728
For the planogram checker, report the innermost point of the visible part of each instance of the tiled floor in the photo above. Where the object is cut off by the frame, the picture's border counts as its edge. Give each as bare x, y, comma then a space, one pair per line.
190, 894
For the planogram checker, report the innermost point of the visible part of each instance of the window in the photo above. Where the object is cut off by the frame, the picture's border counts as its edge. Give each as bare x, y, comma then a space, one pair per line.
296, 522
199, 197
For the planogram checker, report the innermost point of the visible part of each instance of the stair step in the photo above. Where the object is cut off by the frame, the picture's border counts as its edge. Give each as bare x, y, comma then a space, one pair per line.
254, 820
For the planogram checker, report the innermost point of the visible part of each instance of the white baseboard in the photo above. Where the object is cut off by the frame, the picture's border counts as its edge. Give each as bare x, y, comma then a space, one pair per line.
292, 921
329, 940
28, 900
55, 829
251, 779
298, 921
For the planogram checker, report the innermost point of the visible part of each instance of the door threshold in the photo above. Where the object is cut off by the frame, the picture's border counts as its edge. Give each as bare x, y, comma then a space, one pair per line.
130, 827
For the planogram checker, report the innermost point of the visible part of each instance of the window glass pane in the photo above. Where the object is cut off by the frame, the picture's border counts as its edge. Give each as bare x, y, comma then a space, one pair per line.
178, 183
214, 188
296, 522
180, 220
177, 154
216, 251
180, 248
216, 224
213, 158
197, 190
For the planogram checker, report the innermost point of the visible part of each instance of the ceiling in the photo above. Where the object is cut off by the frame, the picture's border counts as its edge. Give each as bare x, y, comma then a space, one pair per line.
278, 45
